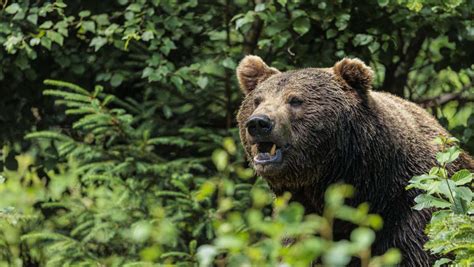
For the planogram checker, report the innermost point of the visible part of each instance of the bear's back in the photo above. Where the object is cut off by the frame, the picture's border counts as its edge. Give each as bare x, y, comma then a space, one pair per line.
407, 119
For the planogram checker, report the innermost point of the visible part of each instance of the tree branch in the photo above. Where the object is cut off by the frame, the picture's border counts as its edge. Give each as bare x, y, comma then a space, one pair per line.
251, 39
396, 75
445, 98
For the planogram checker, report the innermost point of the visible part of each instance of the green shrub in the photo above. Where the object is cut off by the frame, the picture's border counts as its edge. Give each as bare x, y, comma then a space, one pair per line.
451, 229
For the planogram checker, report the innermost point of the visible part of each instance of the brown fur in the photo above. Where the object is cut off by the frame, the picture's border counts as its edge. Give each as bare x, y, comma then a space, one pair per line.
345, 132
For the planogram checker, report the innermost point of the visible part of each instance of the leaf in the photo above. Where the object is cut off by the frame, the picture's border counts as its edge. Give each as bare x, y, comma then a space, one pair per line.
229, 63
202, 82
220, 159
147, 36
363, 237
282, 2
248, 18
84, 13
206, 254
383, 3
462, 177
229, 145
427, 201
13, 8
97, 42
260, 7
338, 255
331, 33
374, 47
135, 7
89, 26
46, 25
463, 192
206, 190
342, 21
448, 156
392, 257
116, 79
292, 214
460, 205
33, 18
415, 5
446, 187
301, 25
55, 37
362, 39
442, 262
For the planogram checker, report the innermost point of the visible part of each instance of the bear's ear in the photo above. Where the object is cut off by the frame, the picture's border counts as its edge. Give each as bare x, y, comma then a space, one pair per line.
355, 73
252, 71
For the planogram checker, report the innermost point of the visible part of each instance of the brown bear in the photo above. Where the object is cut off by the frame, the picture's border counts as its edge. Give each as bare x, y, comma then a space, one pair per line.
306, 129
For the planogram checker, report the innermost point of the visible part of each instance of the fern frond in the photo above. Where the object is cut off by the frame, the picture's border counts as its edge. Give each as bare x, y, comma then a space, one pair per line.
67, 95
71, 86
49, 135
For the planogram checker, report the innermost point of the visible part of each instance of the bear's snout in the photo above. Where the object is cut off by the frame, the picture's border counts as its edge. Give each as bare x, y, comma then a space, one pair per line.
259, 125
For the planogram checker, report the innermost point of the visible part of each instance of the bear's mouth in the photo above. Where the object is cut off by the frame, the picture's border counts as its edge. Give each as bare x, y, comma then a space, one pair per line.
267, 153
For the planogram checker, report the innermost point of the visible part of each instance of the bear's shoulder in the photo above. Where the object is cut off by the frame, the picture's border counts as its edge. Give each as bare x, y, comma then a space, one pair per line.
406, 116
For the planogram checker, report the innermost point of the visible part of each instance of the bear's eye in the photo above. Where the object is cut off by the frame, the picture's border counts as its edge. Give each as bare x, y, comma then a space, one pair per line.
257, 101
295, 101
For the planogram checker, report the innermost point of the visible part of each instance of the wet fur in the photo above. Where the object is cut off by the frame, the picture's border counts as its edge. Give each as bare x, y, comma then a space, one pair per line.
348, 133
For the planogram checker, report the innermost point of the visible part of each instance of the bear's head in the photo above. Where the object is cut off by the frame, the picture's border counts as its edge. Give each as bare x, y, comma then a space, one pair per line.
290, 122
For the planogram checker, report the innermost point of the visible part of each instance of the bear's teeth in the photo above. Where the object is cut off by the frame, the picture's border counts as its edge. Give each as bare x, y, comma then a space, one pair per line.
254, 149
273, 150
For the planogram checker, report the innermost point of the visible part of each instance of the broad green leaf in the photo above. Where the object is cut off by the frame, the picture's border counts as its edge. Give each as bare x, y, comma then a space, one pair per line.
260, 7
55, 37
383, 3
116, 79
301, 25
46, 25
462, 177
362, 39
331, 33
229, 63
89, 26
442, 262
147, 36
342, 21
13, 8
33, 18
84, 13
202, 81
463, 192
460, 205
97, 42
428, 201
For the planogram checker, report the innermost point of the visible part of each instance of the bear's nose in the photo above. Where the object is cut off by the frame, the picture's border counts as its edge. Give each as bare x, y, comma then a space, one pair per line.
259, 125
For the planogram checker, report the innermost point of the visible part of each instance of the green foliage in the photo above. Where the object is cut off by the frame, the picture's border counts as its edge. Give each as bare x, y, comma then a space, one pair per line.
451, 229
291, 238
117, 201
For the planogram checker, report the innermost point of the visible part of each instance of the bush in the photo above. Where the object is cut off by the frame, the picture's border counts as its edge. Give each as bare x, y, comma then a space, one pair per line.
451, 229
